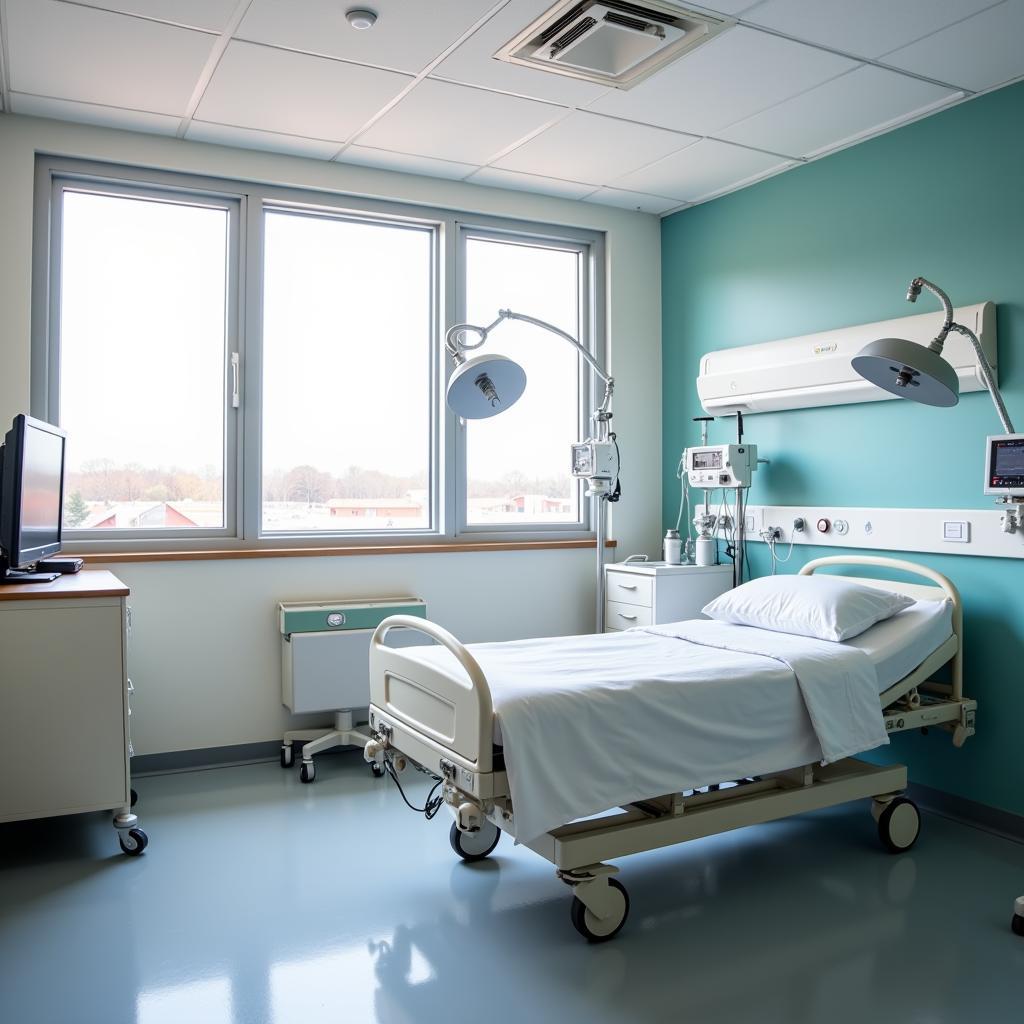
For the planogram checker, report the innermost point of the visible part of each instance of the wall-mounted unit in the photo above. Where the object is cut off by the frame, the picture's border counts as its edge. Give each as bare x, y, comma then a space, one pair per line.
800, 373
611, 42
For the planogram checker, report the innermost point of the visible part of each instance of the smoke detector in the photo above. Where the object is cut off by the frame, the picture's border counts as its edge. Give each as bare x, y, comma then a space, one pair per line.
611, 42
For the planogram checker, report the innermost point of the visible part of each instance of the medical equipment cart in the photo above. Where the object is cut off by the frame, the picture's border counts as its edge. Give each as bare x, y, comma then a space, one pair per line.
651, 593
325, 653
64, 693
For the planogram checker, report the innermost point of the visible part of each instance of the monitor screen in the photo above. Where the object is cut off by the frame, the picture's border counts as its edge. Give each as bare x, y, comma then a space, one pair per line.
1009, 459
31, 493
1005, 465
41, 480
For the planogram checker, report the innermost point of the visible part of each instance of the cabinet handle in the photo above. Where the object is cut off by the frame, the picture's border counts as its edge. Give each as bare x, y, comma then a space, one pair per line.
626, 586
623, 615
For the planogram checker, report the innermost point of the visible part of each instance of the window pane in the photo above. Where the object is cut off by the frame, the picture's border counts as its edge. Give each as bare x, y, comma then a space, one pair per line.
142, 346
346, 375
517, 464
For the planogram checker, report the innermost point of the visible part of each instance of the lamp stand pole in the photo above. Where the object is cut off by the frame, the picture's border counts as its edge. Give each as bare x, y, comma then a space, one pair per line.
600, 510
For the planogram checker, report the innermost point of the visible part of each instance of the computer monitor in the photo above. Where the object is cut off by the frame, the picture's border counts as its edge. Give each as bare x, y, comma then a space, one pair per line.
1004, 465
31, 498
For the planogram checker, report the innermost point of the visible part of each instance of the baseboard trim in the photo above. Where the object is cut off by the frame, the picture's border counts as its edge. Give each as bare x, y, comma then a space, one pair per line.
206, 757
969, 812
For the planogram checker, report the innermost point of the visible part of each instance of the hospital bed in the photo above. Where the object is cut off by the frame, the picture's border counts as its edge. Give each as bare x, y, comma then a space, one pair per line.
739, 747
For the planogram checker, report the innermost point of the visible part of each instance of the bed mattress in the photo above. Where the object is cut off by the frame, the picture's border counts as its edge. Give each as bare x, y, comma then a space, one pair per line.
597, 721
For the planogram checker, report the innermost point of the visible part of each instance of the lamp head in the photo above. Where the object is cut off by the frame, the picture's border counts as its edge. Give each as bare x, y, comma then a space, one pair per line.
908, 370
485, 386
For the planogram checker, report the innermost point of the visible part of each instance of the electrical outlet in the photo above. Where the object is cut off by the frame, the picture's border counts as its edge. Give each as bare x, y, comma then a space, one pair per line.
748, 522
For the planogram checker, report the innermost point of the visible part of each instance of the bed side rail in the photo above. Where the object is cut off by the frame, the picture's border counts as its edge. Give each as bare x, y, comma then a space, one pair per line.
942, 587
452, 708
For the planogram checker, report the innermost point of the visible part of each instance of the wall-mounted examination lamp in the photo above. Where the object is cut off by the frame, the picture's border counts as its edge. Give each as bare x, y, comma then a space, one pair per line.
920, 373
909, 370
487, 385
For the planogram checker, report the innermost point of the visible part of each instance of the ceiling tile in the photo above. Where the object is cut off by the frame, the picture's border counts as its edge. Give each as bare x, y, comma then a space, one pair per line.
633, 200
701, 170
473, 62
497, 178
586, 146
368, 157
72, 52
728, 78
730, 8
407, 36
978, 53
211, 15
866, 100
89, 113
453, 122
249, 138
867, 28
295, 94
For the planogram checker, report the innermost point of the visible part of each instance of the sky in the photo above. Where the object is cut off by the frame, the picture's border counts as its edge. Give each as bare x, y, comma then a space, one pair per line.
346, 349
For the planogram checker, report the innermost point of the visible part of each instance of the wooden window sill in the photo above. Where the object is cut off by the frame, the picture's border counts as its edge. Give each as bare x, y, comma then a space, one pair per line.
340, 551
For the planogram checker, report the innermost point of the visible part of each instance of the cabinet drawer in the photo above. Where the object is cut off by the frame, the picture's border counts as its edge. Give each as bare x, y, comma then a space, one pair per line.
631, 588
623, 616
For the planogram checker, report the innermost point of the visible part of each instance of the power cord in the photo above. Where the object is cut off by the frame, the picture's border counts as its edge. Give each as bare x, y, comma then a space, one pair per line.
617, 493
433, 803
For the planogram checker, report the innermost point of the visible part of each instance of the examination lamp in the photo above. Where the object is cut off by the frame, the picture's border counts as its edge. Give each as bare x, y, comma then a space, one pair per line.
486, 385
909, 370
913, 371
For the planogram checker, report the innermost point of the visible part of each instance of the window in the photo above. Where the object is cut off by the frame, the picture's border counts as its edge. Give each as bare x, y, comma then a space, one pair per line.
347, 346
244, 365
517, 464
143, 316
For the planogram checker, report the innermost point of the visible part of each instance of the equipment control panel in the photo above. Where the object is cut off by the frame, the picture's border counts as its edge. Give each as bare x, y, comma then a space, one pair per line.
720, 465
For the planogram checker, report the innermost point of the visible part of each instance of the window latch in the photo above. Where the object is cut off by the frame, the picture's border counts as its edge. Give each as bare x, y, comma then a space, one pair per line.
235, 364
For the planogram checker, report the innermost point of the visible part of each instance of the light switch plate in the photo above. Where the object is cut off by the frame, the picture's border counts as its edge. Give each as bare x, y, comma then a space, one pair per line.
956, 531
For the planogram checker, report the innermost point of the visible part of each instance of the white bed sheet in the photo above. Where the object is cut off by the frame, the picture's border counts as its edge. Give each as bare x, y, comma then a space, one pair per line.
662, 713
898, 645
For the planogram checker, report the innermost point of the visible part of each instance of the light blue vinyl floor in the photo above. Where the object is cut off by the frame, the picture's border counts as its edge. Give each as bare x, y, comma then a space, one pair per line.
263, 900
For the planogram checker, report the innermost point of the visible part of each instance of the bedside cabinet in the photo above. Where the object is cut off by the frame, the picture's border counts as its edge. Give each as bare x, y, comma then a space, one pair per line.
651, 593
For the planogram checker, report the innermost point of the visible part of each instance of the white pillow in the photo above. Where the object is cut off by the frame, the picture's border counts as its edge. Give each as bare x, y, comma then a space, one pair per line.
818, 606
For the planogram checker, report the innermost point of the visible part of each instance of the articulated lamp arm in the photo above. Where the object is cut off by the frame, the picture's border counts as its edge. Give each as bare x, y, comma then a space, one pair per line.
455, 342
987, 373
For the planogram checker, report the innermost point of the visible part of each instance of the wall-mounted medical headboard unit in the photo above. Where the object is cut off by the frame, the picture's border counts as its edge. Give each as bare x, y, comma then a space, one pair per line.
800, 373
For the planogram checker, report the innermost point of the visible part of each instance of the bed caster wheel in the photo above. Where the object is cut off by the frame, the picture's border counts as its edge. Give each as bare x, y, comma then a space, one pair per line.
287, 756
307, 773
899, 825
601, 929
1018, 925
133, 798
133, 842
377, 769
475, 845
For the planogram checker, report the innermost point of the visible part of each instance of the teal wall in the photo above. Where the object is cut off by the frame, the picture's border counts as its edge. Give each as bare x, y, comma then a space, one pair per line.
835, 243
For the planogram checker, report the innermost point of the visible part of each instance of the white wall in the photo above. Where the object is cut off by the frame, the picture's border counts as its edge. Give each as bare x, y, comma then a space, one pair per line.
204, 655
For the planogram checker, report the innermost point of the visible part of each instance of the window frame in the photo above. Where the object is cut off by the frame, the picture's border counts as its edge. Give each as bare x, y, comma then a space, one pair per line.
585, 245
243, 426
46, 337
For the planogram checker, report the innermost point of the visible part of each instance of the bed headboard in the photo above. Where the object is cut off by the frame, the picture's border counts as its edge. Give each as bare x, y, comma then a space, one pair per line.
942, 588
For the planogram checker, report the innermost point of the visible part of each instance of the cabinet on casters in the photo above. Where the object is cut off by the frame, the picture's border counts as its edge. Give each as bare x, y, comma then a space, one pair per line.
64, 651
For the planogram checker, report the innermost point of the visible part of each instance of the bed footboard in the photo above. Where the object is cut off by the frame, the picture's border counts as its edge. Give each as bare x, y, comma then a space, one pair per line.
442, 718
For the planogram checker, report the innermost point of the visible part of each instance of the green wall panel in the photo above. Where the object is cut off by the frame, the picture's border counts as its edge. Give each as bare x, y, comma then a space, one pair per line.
835, 243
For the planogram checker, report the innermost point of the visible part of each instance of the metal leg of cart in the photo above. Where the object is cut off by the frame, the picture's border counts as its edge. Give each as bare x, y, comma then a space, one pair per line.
344, 734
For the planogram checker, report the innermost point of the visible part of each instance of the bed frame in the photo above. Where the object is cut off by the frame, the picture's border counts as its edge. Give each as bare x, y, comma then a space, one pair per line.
444, 723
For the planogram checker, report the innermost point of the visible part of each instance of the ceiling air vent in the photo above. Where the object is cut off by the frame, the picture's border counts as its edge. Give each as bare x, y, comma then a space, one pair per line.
611, 42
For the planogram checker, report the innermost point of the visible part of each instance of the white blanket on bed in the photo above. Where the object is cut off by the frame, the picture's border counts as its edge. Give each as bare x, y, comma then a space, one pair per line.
838, 683
593, 722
